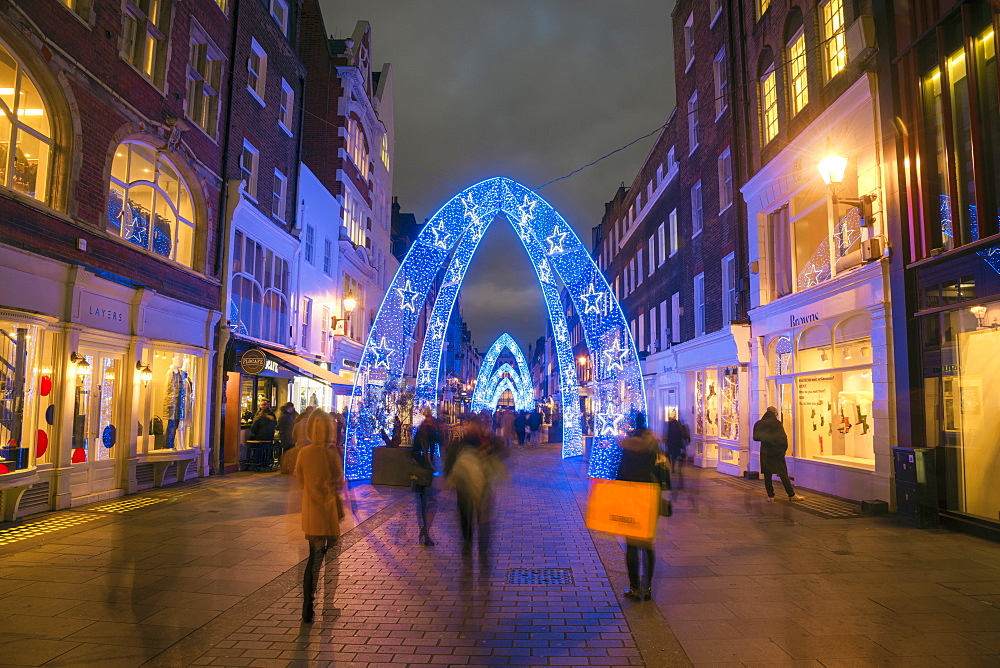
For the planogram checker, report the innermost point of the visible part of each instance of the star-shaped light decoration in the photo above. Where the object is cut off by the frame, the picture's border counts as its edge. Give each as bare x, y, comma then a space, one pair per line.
437, 327
426, 371
615, 357
544, 271
441, 236
593, 300
408, 297
382, 352
609, 424
557, 240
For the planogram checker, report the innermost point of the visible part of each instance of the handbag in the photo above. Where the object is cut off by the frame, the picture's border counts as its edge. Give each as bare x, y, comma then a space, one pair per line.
421, 475
624, 508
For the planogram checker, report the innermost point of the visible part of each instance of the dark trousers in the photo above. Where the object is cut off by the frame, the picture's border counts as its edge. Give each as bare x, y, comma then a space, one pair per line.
318, 546
422, 494
470, 515
774, 464
632, 563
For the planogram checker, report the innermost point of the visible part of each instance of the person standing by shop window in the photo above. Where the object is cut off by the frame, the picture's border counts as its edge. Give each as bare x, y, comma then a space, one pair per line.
773, 445
261, 438
286, 425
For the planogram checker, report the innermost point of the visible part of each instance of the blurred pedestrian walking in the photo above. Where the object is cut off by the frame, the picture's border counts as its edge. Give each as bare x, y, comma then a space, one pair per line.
321, 477
300, 437
638, 464
286, 428
773, 445
676, 440
425, 442
473, 464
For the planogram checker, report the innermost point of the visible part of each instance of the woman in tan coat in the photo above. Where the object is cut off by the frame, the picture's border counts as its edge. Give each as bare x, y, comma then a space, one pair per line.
319, 472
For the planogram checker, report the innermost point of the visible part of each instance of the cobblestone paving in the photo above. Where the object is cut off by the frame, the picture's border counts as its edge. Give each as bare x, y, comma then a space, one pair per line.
390, 601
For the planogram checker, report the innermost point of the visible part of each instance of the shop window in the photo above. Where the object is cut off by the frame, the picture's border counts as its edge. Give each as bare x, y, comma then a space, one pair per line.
95, 408
26, 147
781, 356
706, 402
814, 349
962, 400
27, 381
729, 426
171, 412
150, 204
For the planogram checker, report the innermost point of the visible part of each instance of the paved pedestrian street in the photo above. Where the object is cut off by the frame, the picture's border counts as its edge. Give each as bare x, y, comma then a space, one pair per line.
208, 573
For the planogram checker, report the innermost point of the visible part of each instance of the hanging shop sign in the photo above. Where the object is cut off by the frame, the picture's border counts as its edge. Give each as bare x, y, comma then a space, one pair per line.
254, 361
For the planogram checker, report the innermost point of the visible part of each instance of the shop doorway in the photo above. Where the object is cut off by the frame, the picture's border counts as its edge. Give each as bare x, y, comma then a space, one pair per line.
784, 401
96, 424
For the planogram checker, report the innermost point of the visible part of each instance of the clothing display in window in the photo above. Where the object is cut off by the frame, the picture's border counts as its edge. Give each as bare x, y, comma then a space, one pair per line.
178, 401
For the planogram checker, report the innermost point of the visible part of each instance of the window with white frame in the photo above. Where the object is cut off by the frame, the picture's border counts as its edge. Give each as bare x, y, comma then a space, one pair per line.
638, 202
720, 72
697, 213
328, 256
260, 289
699, 304
725, 180
286, 107
306, 318
145, 35
768, 106
309, 245
692, 116
834, 37
714, 10
384, 149
671, 163
149, 203
689, 41
642, 331
640, 274
649, 191
248, 168
257, 70
651, 250
81, 7
729, 292
674, 236
204, 76
675, 317
279, 11
279, 195
798, 78
356, 147
664, 326
661, 239
324, 343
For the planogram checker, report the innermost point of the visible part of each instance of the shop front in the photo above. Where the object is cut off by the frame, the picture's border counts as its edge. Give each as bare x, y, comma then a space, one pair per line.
822, 362
260, 376
958, 322
86, 377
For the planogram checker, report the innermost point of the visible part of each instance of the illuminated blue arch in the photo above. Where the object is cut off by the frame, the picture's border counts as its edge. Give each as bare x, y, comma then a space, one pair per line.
489, 396
448, 241
524, 397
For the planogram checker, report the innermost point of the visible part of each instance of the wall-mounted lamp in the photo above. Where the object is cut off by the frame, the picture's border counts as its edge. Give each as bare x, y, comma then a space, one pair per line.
980, 312
145, 373
832, 169
349, 304
82, 365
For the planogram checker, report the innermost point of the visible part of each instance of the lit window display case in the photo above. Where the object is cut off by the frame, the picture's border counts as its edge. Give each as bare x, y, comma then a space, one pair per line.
170, 406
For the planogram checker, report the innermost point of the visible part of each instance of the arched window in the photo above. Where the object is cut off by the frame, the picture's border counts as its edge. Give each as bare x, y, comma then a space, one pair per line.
781, 356
149, 204
25, 131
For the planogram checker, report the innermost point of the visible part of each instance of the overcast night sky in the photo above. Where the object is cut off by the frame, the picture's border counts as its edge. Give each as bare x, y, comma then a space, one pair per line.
528, 89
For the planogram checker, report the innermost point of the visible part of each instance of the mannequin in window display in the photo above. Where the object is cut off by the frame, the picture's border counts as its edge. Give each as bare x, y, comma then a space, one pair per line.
178, 400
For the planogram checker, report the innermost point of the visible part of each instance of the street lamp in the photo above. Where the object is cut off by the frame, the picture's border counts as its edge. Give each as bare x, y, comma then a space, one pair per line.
832, 169
349, 304
980, 312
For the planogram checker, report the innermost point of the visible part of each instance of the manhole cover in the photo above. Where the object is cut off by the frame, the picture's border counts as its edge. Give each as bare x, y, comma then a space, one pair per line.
540, 576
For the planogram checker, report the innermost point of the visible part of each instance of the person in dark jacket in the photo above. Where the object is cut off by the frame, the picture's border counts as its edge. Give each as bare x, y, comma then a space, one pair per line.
261, 438
638, 464
773, 444
520, 425
425, 442
535, 428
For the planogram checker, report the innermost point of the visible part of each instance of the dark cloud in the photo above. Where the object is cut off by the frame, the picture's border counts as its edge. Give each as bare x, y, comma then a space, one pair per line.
529, 89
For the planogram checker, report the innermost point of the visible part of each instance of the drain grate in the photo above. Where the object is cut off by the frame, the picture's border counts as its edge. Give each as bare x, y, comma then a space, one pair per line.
540, 576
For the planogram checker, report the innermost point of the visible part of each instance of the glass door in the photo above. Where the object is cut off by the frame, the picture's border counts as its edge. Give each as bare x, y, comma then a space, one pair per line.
96, 423
784, 396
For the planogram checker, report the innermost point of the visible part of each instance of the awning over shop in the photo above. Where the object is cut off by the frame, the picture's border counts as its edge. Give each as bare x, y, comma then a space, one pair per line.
304, 366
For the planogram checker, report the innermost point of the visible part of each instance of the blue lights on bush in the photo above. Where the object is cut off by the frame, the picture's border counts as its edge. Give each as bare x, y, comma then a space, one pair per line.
448, 241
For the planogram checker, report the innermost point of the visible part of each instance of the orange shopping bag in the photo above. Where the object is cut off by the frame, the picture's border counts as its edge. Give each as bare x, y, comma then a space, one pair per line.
625, 508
